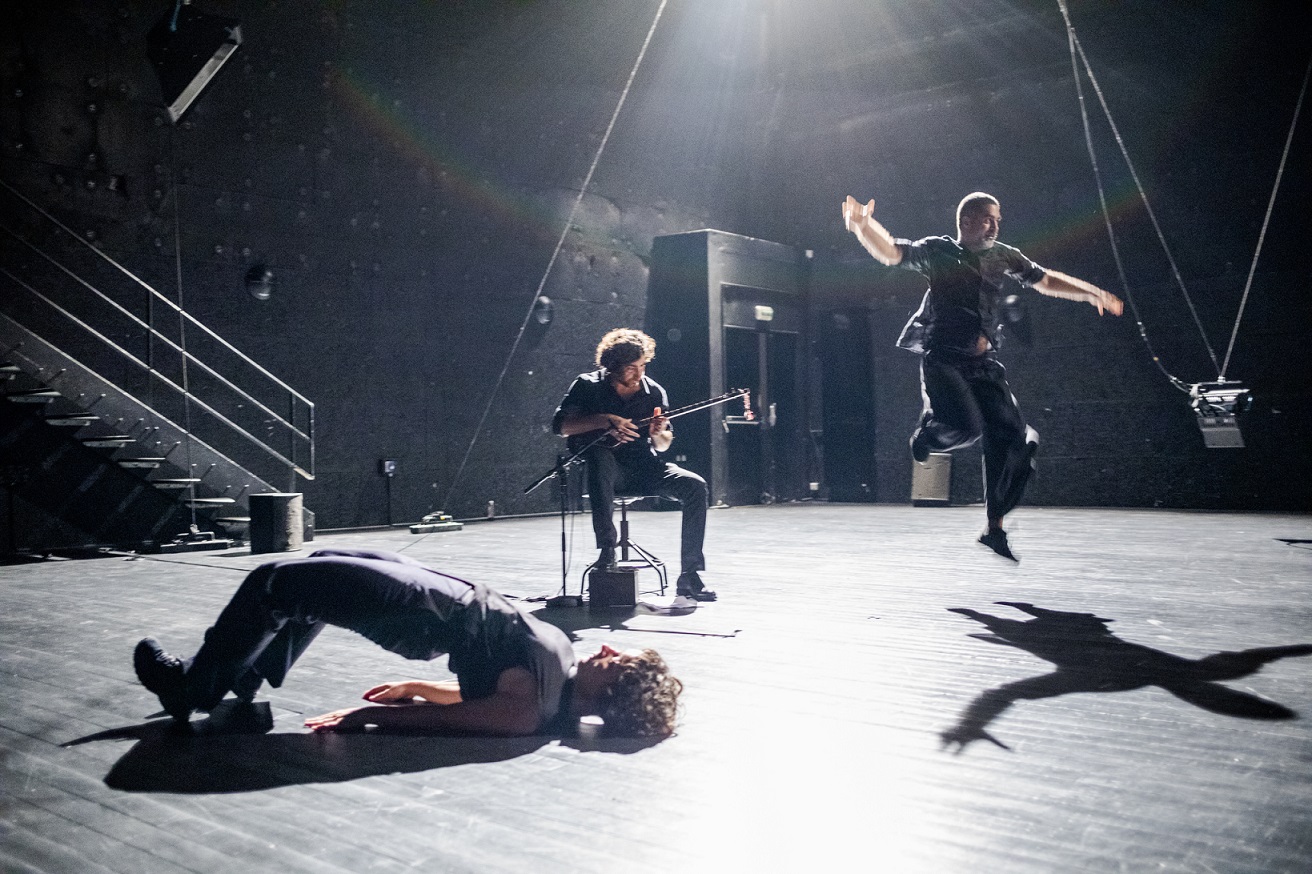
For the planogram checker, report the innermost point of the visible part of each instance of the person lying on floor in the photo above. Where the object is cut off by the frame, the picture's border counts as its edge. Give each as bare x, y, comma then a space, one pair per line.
515, 674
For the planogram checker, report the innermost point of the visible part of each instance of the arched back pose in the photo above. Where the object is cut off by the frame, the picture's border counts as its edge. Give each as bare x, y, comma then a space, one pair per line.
515, 675
965, 391
609, 401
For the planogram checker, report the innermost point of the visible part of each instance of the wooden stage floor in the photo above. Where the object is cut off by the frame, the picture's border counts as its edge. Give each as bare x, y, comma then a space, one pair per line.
849, 643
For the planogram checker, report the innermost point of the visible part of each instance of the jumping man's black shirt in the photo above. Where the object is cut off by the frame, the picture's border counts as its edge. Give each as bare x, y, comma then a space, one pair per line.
964, 290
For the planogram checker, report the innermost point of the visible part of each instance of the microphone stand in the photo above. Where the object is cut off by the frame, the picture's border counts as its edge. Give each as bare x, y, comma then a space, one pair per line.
561, 473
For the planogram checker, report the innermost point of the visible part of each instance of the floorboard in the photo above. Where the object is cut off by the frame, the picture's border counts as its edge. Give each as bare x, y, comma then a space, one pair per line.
857, 700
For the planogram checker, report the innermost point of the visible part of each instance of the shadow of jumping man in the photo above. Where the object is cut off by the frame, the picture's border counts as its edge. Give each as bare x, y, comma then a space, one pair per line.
1089, 658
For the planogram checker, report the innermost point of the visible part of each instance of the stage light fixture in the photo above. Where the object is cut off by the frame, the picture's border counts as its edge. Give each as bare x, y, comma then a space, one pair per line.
259, 282
543, 310
187, 49
1216, 405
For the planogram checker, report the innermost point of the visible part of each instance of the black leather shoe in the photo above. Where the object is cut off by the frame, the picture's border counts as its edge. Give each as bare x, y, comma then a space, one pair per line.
690, 585
606, 560
996, 540
919, 448
164, 675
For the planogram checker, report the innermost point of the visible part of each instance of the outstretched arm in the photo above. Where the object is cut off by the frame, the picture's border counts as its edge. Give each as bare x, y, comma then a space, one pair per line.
511, 711
859, 219
1057, 284
438, 692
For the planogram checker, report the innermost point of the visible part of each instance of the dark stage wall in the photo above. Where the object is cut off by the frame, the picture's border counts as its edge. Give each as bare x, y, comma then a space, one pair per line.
406, 169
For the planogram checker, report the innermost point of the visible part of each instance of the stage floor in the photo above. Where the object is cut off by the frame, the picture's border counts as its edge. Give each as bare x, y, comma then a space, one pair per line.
844, 709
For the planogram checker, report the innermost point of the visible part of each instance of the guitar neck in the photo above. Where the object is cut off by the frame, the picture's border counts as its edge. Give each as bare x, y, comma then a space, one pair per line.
700, 405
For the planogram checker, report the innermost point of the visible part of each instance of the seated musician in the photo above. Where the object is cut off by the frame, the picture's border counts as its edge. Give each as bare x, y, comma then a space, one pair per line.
611, 401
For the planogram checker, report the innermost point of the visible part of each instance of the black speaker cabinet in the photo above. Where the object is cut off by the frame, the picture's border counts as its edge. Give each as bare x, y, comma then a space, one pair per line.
728, 312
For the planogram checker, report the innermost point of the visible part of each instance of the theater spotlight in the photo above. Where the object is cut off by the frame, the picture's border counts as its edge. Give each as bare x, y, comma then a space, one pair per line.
259, 282
1216, 405
543, 310
187, 48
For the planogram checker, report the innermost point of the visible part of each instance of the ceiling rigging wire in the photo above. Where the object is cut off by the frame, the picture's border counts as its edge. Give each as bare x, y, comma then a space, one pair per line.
583, 189
1261, 237
1077, 51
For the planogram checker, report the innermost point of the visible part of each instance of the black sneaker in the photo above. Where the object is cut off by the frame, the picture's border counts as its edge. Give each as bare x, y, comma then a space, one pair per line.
690, 585
919, 448
606, 560
164, 675
996, 540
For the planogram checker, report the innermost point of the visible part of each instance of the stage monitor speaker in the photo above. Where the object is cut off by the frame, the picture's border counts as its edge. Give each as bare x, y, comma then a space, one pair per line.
187, 49
931, 482
728, 312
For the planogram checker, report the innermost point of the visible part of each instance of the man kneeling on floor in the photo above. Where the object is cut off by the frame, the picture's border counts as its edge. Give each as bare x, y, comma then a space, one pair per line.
515, 675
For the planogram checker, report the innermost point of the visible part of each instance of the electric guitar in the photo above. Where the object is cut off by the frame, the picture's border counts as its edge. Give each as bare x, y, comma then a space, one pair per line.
602, 438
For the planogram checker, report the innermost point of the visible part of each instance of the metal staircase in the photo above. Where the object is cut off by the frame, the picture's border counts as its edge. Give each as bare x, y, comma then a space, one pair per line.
124, 421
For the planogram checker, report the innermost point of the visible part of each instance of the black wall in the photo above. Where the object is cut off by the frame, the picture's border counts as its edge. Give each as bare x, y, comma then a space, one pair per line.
406, 169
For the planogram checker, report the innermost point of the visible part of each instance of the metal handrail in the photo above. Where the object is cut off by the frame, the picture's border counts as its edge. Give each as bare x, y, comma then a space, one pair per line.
164, 300
142, 324
164, 379
293, 431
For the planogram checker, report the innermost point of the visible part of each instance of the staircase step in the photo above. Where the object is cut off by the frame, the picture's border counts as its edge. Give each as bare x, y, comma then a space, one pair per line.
174, 483
33, 396
78, 419
211, 502
109, 441
140, 463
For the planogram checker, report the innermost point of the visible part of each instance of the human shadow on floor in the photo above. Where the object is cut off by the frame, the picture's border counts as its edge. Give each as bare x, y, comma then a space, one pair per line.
1089, 658
233, 751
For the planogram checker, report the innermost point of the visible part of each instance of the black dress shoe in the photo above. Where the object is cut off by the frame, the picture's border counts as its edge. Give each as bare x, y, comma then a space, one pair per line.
164, 675
996, 540
919, 447
689, 585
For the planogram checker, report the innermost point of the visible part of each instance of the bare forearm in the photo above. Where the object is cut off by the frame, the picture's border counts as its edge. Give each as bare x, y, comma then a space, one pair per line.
489, 716
447, 692
872, 235
1057, 284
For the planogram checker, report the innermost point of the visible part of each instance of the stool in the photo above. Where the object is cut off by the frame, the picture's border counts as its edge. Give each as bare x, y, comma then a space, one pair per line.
626, 543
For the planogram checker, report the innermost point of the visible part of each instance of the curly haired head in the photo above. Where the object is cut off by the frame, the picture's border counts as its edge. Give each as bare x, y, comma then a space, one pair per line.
624, 346
643, 700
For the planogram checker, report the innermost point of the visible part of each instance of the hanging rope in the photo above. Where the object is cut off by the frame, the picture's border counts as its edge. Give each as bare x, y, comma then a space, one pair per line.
1261, 237
1078, 51
583, 189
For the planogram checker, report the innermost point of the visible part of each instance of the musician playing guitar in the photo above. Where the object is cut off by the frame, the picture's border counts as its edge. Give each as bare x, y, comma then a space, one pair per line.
614, 412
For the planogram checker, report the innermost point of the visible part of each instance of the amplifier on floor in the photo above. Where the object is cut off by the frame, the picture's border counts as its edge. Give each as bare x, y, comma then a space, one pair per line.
931, 482
617, 587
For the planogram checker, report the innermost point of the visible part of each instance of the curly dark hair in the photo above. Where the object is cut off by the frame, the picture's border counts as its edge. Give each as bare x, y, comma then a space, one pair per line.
643, 701
624, 346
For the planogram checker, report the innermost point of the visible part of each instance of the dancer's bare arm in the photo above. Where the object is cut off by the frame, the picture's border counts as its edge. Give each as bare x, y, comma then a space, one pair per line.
1057, 284
859, 219
511, 711
435, 692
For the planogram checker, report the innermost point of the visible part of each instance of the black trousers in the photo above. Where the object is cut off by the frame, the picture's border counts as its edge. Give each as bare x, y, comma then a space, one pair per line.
281, 607
607, 478
967, 399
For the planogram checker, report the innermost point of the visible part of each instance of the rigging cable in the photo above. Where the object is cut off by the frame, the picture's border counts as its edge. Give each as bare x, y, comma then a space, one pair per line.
1077, 50
583, 189
1261, 237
